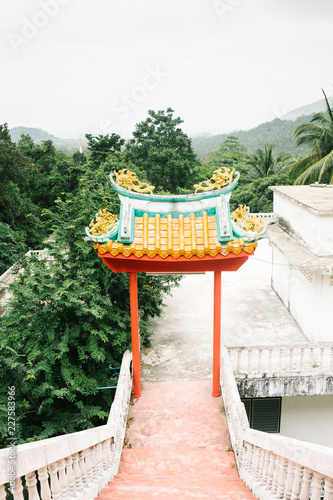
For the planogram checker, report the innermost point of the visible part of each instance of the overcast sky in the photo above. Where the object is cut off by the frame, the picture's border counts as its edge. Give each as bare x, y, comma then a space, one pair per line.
81, 66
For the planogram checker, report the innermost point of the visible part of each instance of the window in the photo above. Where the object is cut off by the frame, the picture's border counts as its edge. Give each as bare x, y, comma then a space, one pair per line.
264, 414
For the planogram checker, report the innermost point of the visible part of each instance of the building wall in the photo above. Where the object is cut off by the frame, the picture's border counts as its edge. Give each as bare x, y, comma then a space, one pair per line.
309, 298
297, 294
305, 225
308, 418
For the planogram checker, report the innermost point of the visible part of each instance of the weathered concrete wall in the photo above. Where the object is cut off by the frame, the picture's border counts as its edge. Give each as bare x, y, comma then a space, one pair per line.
304, 283
304, 223
308, 418
284, 386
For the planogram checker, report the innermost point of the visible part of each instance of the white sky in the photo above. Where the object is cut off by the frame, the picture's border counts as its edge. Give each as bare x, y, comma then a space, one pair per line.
78, 66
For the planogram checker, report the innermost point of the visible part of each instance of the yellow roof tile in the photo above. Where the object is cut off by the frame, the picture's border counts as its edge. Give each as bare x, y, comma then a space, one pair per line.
167, 236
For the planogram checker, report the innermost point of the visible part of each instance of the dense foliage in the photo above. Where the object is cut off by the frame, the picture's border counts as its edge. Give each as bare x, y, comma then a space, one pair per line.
317, 165
278, 132
257, 195
164, 152
69, 318
69, 323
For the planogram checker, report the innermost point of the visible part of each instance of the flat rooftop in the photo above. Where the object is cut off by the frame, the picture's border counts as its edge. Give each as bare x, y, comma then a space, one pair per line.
317, 197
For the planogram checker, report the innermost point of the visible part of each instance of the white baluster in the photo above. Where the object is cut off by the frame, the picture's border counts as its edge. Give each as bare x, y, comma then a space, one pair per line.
99, 458
113, 457
83, 467
289, 480
311, 358
328, 490
239, 353
249, 454
282, 477
63, 478
296, 489
55, 487
281, 359
276, 474
43, 477
93, 462
18, 491
106, 453
305, 491
302, 359
249, 354
77, 472
317, 481
89, 467
291, 358
259, 360
70, 476
256, 461
270, 354
266, 461
31, 482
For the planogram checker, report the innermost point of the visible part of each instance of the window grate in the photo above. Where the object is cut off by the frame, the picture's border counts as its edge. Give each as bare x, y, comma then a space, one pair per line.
264, 414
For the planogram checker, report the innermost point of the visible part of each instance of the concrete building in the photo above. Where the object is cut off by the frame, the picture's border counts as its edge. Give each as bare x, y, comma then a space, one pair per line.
302, 241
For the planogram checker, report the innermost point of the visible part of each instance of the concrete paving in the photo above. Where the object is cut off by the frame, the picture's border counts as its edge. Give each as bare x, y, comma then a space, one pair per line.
178, 447
252, 314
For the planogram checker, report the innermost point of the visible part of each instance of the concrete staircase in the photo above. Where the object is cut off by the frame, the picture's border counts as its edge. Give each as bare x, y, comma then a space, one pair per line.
177, 447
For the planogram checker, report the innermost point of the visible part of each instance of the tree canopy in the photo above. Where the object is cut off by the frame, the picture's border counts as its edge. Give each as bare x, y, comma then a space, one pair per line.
317, 165
68, 320
164, 152
264, 162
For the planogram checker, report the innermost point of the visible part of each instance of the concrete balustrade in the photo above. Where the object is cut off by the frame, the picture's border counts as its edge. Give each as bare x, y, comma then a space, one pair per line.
274, 466
274, 360
76, 465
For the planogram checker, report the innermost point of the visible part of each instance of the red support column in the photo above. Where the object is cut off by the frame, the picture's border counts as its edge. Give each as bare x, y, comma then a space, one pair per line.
135, 334
217, 334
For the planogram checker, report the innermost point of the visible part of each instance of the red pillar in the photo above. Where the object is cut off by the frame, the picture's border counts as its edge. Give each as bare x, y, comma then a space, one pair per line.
217, 334
135, 334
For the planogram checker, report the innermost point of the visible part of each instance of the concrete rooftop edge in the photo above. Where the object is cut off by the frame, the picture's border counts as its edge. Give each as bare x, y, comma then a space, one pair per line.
317, 198
298, 255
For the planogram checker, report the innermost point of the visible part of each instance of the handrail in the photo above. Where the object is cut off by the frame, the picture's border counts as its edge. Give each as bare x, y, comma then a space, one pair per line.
73, 465
302, 357
274, 466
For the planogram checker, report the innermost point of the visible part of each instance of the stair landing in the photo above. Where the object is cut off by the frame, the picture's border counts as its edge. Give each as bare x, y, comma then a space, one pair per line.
177, 447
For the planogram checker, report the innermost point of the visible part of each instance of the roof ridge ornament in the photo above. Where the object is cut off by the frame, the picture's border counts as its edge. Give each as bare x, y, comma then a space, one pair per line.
129, 180
246, 221
106, 225
220, 178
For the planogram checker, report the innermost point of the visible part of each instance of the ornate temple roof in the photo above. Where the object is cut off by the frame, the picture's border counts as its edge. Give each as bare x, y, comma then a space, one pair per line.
168, 236
168, 226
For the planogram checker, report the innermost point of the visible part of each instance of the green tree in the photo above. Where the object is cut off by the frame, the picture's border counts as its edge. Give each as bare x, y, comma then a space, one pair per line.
317, 165
69, 322
257, 194
164, 152
53, 173
16, 207
12, 246
102, 146
231, 154
264, 163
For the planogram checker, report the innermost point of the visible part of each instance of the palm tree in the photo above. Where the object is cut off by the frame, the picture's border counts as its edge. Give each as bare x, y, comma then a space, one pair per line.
264, 163
318, 134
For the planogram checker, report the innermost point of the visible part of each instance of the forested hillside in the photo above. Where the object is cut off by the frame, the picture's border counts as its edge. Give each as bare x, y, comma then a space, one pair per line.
38, 135
278, 132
